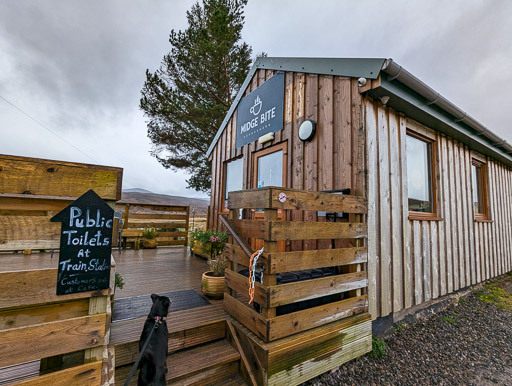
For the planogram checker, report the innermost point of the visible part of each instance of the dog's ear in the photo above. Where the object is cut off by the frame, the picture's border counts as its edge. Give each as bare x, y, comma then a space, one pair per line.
154, 297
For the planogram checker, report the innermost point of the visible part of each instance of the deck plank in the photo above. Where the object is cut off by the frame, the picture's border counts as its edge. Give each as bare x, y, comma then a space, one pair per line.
215, 361
147, 271
126, 331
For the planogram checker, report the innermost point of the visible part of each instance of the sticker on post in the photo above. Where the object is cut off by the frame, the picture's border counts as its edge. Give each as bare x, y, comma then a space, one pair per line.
282, 197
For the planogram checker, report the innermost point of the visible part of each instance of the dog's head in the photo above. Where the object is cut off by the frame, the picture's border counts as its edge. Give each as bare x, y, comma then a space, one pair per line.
160, 306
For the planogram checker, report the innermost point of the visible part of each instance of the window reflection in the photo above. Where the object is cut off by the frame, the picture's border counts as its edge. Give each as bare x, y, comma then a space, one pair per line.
419, 175
478, 191
270, 169
234, 176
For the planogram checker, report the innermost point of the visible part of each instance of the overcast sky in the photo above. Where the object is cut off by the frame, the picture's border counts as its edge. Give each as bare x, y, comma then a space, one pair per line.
77, 67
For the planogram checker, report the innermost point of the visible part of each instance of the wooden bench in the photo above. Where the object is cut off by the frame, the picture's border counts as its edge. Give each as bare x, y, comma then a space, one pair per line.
132, 234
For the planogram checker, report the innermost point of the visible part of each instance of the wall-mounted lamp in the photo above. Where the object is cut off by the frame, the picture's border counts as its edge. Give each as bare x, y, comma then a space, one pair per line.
265, 138
307, 130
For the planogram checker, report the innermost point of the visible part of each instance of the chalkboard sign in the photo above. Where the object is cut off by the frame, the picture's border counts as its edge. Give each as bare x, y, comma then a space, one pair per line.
261, 111
85, 245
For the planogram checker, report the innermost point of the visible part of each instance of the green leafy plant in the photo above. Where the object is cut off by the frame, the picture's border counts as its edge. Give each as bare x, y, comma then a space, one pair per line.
398, 327
448, 319
149, 233
218, 265
119, 281
213, 241
378, 348
205, 236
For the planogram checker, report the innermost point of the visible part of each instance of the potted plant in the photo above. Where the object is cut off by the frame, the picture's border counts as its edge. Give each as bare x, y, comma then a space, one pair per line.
213, 283
207, 243
149, 235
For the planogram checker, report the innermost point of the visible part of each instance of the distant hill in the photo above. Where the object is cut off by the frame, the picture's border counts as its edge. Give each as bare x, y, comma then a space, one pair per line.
137, 190
143, 196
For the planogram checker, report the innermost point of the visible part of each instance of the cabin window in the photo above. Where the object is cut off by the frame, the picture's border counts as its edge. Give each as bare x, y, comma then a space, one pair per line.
478, 176
270, 169
234, 177
270, 166
420, 171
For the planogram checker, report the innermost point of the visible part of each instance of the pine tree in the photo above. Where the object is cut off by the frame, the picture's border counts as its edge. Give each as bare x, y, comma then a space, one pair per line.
187, 98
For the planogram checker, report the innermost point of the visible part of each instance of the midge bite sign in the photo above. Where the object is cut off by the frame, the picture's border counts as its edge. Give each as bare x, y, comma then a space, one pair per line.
85, 245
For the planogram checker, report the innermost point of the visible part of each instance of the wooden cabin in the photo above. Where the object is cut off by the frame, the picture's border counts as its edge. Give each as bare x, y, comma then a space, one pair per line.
435, 184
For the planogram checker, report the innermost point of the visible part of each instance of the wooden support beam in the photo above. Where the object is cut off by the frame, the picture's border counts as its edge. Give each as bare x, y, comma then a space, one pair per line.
314, 288
33, 342
303, 230
245, 361
268, 198
295, 322
22, 175
87, 374
300, 260
24, 288
270, 247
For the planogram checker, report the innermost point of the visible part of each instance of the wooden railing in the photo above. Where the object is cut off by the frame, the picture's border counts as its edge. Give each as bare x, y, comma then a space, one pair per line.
65, 337
36, 324
346, 288
171, 222
32, 190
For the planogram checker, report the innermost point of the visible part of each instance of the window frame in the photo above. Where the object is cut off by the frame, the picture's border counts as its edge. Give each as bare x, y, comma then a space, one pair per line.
269, 150
224, 176
480, 217
432, 141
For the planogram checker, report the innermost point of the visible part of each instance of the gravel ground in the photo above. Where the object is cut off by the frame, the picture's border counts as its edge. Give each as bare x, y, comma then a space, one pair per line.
469, 343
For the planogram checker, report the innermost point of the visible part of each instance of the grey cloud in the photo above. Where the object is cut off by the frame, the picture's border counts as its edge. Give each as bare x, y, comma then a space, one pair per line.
78, 66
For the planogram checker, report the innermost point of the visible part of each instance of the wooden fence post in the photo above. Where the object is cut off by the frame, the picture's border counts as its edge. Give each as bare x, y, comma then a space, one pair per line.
270, 247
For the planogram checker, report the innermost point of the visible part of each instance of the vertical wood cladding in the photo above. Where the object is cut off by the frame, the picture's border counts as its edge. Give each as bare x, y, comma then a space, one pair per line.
413, 261
324, 163
360, 144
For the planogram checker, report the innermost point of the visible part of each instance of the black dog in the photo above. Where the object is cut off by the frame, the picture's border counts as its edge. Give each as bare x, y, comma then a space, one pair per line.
153, 364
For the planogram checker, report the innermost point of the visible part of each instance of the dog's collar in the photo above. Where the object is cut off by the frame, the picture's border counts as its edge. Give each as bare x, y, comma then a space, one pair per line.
159, 319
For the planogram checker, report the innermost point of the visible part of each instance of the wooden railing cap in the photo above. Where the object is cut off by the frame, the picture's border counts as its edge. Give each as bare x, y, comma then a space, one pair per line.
273, 197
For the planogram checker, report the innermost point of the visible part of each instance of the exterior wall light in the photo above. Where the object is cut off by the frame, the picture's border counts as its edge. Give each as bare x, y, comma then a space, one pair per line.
307, 130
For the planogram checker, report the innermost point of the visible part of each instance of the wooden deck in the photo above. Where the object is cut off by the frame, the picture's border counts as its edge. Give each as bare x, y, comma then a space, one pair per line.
198, 351
144, 271
147, 271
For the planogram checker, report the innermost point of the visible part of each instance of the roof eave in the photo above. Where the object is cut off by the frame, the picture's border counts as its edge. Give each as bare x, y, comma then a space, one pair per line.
417, 107
432, 102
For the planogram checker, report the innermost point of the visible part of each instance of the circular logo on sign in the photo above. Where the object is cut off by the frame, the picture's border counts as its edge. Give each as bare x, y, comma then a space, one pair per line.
282, 197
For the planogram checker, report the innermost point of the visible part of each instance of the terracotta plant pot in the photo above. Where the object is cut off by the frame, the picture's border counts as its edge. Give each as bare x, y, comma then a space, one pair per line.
149, 243
213, 286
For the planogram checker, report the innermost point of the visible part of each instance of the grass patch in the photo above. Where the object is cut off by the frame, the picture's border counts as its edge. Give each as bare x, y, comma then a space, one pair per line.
462, 301
378, 348
398, 327
494, 294
447, 319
